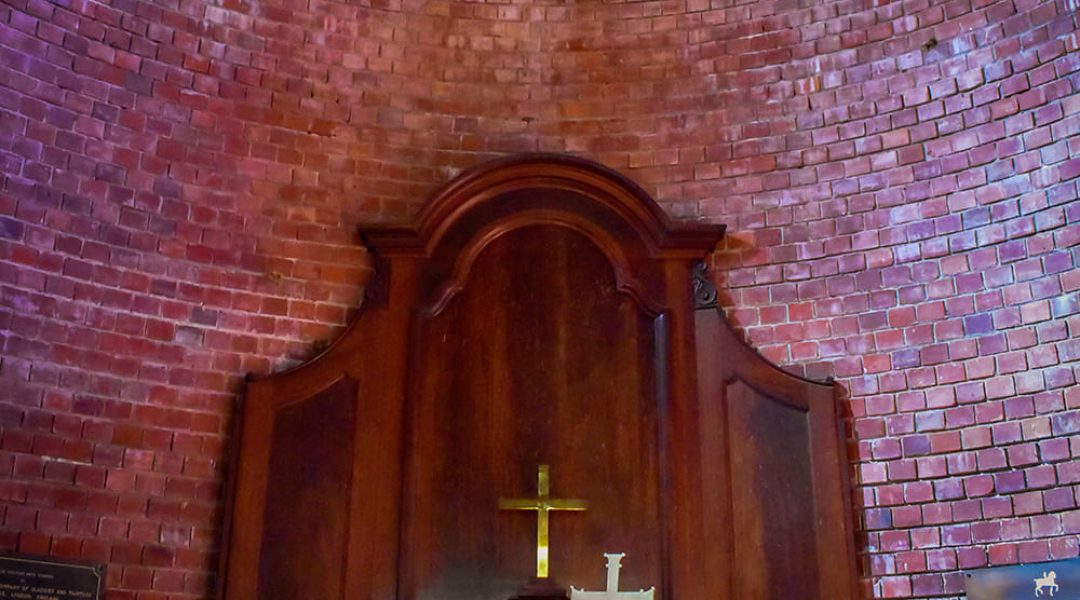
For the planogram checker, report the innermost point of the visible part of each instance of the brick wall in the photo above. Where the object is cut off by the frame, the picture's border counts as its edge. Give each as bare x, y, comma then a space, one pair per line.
180, 180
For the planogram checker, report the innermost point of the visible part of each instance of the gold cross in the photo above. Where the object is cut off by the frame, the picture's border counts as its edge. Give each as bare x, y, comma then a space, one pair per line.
542, 504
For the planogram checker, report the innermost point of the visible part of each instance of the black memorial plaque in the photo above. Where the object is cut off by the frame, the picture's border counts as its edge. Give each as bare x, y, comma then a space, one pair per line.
43, 578
1058, 580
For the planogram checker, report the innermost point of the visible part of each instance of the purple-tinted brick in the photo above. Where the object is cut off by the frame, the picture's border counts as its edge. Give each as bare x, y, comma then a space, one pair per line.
1010, 481
905, 359
11, 229
915, 445
1059, 499
880, 518
1066, 423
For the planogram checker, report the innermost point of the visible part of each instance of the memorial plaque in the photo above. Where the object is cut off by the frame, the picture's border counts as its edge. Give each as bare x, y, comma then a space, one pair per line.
1059, 580
44, 578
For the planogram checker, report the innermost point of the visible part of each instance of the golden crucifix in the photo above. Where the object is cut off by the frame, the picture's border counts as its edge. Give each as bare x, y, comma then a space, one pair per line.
542, 504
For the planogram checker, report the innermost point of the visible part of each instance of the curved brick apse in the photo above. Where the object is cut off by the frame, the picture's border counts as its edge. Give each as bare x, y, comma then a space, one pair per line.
180, 182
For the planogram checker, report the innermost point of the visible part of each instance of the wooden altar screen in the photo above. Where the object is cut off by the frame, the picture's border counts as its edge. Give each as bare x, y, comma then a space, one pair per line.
540, 312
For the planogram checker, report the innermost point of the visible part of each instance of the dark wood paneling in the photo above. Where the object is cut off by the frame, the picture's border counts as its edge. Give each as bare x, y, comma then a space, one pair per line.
540, 310
772, 495
774, 476
543, 364
305, 515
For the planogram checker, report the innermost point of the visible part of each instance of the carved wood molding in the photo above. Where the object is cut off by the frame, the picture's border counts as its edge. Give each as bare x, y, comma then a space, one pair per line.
624, 276
600, 184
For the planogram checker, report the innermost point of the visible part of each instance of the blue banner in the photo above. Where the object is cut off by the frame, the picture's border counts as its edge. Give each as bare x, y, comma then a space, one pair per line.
1058, 580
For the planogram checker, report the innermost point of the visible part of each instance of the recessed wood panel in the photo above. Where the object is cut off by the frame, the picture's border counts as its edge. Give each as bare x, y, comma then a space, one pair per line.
774, 475
305, 521
538, 360
773, 520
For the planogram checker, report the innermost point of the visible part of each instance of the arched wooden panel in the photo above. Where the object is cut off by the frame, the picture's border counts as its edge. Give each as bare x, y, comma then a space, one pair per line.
550, 364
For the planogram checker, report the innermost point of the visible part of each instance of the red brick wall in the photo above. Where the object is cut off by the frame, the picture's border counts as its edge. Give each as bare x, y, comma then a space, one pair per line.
180, 180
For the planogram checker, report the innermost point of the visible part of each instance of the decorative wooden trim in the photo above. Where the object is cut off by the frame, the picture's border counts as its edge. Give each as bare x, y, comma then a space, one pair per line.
704, 290
761, 373
554, 171
624, 278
